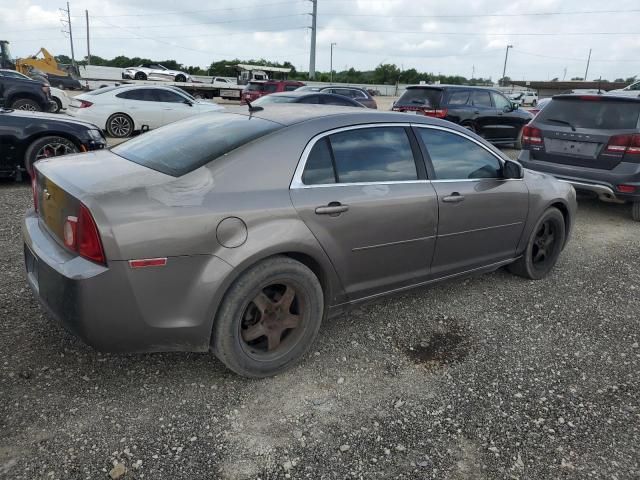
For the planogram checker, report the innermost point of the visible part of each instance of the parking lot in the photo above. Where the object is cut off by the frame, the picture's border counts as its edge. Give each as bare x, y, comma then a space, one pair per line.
488, 377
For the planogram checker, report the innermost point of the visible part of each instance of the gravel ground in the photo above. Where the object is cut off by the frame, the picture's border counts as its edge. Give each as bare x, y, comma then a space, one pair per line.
488, 377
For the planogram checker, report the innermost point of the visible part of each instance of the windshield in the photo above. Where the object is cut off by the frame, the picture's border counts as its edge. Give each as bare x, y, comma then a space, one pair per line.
255, 87
267, 99
596, 114
184, 146
418, 97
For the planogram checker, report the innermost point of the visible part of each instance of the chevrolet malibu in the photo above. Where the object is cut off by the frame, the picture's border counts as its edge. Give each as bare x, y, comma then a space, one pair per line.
239, 233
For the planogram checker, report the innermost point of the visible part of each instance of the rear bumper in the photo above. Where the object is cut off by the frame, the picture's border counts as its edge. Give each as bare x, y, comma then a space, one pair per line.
602, 182
119, 309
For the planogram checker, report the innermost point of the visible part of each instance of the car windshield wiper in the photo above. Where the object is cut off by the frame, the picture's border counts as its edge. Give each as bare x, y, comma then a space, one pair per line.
564, 122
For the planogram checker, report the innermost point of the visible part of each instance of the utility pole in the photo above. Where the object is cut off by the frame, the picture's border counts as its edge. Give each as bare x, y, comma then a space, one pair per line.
331, 63
312, 54
68, 22
86, 14
504, 69
587, 70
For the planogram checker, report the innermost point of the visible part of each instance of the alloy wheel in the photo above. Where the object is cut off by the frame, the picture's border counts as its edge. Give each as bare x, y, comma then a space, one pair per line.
543, 244
272, 318
29, 107
120, 126
54, 149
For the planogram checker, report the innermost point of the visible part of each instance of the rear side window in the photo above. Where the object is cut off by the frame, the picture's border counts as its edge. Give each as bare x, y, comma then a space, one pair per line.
143, 94
319, 167
337, 100
455, 158
481, 99
458, 98
377, 154
429, 97
597, 114
184, 146
290, 88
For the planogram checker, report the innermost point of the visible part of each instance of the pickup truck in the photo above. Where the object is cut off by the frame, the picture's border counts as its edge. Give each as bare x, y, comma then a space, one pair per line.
24, 94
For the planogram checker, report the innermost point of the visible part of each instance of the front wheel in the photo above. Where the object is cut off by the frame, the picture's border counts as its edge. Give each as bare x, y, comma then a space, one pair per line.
47, 147
140, 76
181, 78
269, 318
543, 248
56, 105
119, 125
26, 104
534, 103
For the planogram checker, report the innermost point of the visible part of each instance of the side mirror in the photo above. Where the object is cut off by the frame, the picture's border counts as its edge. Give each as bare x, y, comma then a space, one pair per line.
514, 106
512, 169
189, 102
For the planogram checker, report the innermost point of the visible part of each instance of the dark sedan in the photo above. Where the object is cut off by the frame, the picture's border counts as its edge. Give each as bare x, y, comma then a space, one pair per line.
316, 98
240, 233
484, 111
26, 137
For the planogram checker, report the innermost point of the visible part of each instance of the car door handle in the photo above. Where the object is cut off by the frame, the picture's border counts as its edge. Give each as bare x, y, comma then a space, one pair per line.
333, 208
455, 197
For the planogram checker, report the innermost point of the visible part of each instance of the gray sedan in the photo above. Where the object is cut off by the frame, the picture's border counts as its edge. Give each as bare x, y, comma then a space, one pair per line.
240, 233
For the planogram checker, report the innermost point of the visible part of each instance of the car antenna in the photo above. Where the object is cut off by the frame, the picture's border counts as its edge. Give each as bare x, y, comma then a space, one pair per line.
252, 108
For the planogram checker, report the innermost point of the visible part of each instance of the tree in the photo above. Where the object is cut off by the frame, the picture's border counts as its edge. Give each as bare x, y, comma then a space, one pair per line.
387, 73
504, 81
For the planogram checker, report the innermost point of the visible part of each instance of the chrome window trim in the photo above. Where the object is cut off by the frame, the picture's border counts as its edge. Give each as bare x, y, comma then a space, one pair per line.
296, 182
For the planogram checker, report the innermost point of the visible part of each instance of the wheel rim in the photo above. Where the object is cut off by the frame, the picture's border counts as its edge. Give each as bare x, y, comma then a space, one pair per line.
544, 243
272, 321
28, 107
54, 149
120, 126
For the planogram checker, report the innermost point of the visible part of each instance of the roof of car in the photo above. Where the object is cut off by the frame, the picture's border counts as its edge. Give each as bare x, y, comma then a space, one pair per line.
290, 114
597, 97
443, 86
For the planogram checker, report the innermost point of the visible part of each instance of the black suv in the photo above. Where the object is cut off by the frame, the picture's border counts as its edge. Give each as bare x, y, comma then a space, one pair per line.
24, 94
590, 141
484, 111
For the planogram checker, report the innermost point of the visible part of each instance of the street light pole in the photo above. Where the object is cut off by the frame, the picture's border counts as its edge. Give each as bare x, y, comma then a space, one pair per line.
504, 69
331, 64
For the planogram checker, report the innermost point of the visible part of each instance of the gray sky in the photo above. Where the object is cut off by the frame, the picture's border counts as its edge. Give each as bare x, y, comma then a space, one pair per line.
450, 37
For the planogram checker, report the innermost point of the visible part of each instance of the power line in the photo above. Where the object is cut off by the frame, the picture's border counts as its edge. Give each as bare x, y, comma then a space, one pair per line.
186, 12
432, 33
483, 15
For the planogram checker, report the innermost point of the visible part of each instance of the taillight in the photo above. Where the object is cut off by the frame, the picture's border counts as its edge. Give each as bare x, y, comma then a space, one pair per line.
626, 188
34, 191
436, 112
624, 144
85, 104
81, 235
531, 136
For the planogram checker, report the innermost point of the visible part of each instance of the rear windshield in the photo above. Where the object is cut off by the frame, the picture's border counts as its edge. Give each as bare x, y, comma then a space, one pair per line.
102, 90
267, 99
595, 114
184, 146
429, 97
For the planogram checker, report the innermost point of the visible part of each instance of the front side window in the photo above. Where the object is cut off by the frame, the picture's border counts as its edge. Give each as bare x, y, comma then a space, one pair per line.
456, 158
500, 102
290, 88
481, 99
141, 94
169, 97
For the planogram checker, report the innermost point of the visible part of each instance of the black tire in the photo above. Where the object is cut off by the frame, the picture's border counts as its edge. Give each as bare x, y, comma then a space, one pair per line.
534, 103
56, 105
140, 76
635, 211
47, 147
119, 125
26, 104
518, 143
470, 127
181, 78
238, 339
541, 254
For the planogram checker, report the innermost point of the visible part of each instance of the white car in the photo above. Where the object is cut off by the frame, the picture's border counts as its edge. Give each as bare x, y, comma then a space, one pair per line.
632, 90
155, 71
524, 98
60, 100
125, 109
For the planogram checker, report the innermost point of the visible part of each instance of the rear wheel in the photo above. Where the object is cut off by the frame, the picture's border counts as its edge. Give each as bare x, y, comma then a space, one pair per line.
119, 125
269, 318
543, 248
635, 211
534, 103
26, 104
470, 127
181, 78
47, 147
140, 76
